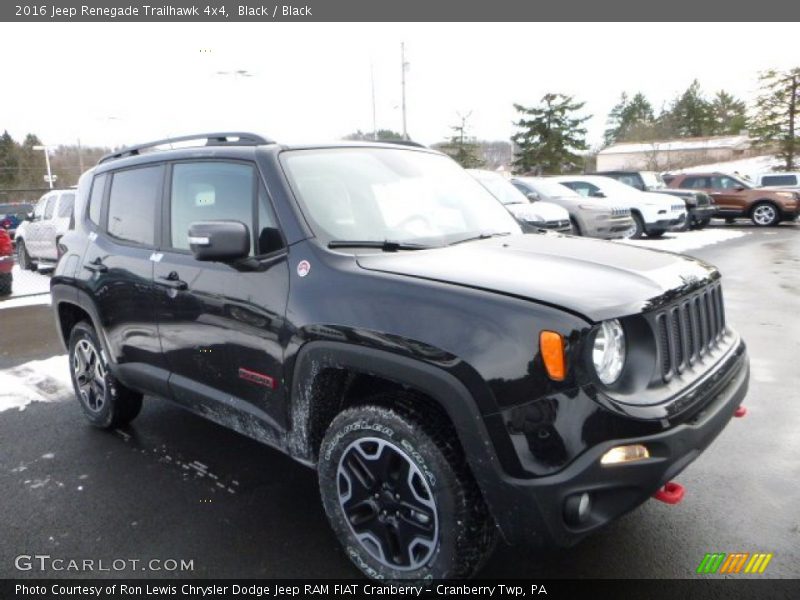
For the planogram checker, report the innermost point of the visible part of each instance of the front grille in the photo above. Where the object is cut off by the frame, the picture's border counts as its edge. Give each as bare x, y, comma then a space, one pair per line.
678, 207
703, 199
689, 329
559, 225
618, 211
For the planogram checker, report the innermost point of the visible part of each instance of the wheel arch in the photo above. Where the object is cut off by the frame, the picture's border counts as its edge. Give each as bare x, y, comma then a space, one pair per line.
324, 373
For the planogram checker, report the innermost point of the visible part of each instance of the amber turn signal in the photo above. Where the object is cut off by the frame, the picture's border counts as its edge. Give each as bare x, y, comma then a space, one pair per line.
551, 345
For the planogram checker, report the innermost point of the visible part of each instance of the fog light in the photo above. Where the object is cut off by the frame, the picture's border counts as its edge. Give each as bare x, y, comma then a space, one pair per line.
624, 454
576, 508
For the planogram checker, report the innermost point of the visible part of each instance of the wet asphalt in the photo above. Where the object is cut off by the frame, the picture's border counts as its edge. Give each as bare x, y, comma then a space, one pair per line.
173, 486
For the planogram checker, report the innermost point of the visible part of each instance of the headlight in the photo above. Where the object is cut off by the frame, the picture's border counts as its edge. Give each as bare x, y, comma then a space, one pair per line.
608, 353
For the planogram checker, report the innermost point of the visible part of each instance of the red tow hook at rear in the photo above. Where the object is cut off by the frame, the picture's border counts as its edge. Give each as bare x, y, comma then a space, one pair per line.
671, 493
740, 411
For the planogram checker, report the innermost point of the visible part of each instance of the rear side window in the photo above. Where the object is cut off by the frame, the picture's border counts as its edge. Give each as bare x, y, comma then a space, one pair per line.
779, 180
50, 207
65, 205
132, 204
210, 191
96, 198
695, 182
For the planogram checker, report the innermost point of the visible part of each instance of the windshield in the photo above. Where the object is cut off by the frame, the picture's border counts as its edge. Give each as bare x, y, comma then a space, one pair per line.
612, 186
499, 187
653, 180
549, 188
379, 194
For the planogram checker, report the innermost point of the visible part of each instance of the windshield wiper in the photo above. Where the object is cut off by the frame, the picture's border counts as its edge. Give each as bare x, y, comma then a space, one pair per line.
386, 245
481, 236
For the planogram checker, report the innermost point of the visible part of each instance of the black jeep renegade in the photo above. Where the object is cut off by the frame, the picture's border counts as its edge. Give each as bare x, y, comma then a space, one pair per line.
375, 313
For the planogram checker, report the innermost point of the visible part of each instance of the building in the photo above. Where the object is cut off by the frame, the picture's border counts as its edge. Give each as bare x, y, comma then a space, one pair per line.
664, 155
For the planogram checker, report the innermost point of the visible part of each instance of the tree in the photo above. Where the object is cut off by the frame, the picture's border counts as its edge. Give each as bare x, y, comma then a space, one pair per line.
9, 160
691, 113
461, 147
380, 135
728, 114
629, 119
550, 136
776, 112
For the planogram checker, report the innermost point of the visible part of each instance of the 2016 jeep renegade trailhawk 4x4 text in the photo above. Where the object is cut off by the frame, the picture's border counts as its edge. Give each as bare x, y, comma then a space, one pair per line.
372, 311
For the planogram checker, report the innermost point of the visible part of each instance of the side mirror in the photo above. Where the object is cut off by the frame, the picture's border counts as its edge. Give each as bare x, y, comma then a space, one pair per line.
29, 217
222, 241
740, 188
532, 196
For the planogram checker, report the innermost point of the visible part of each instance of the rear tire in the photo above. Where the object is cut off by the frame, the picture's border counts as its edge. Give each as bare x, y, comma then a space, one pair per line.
106, 403
765, 214
5, 284
26, 263
399, 494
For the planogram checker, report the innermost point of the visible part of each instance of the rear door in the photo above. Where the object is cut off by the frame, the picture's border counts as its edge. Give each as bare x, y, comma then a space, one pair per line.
118, 270
220, 323
37, 230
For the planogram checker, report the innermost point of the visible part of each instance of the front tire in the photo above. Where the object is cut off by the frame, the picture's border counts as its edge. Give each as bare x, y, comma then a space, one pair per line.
5, 284
106, 403
576, 229
765, 214
638, 227
655, 233
399, 494
24, 259
701, 223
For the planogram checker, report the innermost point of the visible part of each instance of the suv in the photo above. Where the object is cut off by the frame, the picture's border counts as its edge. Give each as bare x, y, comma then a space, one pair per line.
699, 205
11, 215
37, 238
783, 179
736, 198
653, 214
372, 311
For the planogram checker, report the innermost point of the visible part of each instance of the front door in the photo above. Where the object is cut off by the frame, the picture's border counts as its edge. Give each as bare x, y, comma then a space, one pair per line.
220, 323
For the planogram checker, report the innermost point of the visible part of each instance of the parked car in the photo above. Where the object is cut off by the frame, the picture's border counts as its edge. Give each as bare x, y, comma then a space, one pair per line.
590, 219
781, 179
37, 239
11, 215
537, 214
372, 311
653, 214
6, 263
699, 205
736, 198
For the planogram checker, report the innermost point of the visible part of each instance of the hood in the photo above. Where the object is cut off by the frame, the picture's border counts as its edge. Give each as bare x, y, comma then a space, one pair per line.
594, 278
538, 211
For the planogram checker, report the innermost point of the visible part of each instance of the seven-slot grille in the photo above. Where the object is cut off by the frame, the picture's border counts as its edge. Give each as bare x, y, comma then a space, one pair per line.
618, 211
678, 207
703, 199
689, 329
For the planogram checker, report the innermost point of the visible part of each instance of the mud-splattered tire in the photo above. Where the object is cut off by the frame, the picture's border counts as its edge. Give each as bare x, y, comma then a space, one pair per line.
399, 494
106, 403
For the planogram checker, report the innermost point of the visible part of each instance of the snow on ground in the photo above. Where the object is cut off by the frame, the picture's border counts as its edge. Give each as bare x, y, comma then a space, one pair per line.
28, 283
45, 380
687, 240
746, 166
25, 301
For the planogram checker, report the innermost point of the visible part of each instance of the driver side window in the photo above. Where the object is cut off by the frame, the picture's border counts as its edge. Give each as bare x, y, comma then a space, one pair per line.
725, 183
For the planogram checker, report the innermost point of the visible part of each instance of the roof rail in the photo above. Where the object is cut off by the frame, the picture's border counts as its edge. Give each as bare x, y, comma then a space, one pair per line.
411, 143
212, 139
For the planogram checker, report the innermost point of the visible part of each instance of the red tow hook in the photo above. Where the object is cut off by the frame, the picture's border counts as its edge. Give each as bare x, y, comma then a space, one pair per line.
740, 411
671, 493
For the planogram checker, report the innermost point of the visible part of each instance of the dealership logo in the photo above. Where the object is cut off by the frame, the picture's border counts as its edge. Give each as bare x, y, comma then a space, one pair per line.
737, 562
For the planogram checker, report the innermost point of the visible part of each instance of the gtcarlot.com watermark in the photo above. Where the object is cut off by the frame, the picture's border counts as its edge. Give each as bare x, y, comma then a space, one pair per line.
48, 563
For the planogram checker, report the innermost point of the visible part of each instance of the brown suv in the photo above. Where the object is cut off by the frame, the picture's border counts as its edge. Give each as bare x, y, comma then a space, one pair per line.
735, 198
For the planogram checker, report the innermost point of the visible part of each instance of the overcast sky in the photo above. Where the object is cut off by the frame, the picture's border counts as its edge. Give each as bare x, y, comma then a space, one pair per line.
116, 83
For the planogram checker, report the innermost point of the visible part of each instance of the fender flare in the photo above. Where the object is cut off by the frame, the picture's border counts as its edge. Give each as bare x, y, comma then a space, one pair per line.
442, 387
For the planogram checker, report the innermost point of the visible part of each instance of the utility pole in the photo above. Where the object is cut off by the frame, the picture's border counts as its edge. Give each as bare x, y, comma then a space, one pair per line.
374, 119
404, 67
46, 150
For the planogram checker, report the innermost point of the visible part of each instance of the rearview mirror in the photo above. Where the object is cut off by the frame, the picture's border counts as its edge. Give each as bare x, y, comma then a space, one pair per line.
222, 241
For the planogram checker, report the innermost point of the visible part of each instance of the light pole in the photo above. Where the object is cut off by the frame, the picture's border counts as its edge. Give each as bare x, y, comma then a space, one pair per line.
46, 150
403, 68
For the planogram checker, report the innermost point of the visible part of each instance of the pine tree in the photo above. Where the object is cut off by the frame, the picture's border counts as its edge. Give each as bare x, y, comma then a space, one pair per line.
728, 114
461, 147
9, 160
31, 165
691, 113
550, 135
629, 120
776, 114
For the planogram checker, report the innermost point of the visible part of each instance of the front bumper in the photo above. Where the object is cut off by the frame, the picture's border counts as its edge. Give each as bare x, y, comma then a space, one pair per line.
698, 213
609, 228
665, 224
528, 509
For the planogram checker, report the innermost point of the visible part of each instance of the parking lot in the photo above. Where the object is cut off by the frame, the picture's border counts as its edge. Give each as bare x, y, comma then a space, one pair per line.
173, 486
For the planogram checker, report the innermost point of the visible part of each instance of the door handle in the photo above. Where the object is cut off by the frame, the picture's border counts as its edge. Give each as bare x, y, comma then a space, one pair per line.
173, 281
96, 266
